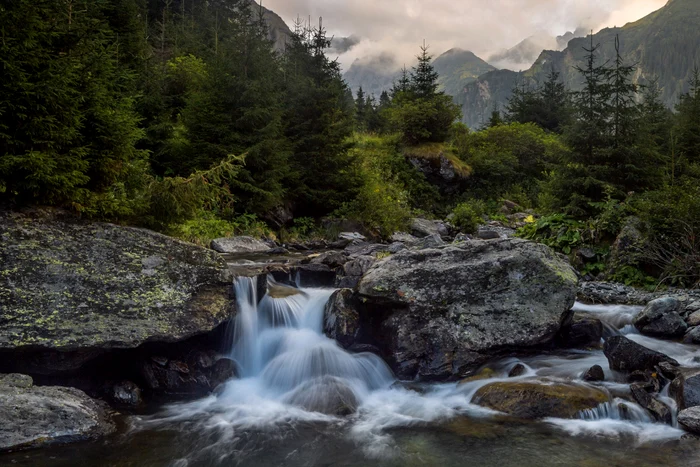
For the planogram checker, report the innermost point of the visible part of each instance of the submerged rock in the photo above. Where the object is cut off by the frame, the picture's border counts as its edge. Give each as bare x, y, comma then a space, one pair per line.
580, 332
533, 400
628, 356
125, 393
661, 318
32, 416
328, 395
72, 287
690, 419
241, 244
660, 411
594, 373
448, 309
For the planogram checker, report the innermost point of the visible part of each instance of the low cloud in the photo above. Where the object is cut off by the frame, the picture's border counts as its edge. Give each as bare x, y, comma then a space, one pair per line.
399, 27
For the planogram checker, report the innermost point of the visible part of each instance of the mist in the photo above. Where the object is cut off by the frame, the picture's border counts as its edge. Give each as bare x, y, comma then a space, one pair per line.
485, 27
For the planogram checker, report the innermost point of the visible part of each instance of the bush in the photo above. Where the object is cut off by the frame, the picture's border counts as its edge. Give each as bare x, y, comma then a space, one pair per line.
206, 227
468, 215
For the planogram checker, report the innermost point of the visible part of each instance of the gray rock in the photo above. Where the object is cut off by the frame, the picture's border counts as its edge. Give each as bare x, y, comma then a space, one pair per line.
404, 237
486, 234
628, 248
580, 332
341, 318
694, 319
333, 259
628, 356
517, 370
423, 227
396, 247
79, 288
351, 236
685, 389
660, 411
353, 271
661, 318
277, 251
594, 374
692, 336
33, 416
327, 394
689, 419
125, 393
358, 248
239, 245
431, 241
450, 308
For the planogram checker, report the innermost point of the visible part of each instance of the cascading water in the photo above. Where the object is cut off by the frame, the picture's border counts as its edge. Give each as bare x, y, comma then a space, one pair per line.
292, 375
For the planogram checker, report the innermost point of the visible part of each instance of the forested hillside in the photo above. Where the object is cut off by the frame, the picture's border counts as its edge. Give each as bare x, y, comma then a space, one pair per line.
663, 46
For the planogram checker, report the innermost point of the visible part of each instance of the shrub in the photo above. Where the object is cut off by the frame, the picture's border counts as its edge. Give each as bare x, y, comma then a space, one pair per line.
468, 215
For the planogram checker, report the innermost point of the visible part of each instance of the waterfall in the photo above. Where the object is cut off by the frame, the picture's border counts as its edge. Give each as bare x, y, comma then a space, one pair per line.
279, 342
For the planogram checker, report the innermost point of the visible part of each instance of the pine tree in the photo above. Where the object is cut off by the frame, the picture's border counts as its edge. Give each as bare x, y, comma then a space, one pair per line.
555, 112
361, 110
424, 78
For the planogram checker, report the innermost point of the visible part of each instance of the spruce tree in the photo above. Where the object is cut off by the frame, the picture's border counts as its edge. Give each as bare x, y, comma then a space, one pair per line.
424, 78
361, 110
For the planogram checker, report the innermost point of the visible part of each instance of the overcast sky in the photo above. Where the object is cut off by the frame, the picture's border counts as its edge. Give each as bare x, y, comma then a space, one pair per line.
482, 26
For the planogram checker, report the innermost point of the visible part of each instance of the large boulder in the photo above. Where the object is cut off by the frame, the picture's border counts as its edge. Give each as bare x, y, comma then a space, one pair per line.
79, 288
448, 309
532, 400
661, 318
241, 244
628, 356
690, 419
424, 228
32, 416
685, 389
327, 394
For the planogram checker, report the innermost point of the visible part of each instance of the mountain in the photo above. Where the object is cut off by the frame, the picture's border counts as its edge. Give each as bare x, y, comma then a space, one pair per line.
374, 74
524, 54
278, 29
663, 45
457, 68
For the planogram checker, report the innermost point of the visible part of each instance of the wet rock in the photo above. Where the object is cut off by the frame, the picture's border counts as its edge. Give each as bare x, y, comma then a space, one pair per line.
241, 244
484, 373
660, 411
341, 318
178, 377
518, 370
612, 293
689, 419
302, 247
316, 275
580, 333
448, 309
328, 395
668, 370
32, 416
685, 389
628, 356
125, 393
532, 400
594, 373
692, 336
661, 318
79, 288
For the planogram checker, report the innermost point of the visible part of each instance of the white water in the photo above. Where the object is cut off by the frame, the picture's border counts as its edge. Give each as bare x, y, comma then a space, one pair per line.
291, 373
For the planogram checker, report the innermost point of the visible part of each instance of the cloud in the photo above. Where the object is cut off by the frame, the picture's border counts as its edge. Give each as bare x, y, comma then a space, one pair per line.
341, 45
482, 26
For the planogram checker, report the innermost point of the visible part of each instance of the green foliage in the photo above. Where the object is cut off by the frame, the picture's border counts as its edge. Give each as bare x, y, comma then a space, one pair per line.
560, 232
382, 204
467, 216
205, 227
507, 158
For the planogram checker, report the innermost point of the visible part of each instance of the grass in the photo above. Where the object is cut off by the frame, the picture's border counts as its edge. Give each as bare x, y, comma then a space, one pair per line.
434, 151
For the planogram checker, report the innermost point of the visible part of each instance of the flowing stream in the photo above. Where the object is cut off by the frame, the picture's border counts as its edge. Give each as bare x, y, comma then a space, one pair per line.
292, 376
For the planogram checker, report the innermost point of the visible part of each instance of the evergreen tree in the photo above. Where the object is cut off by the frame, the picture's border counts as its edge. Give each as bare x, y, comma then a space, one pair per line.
424, 78
688, 122
361, 110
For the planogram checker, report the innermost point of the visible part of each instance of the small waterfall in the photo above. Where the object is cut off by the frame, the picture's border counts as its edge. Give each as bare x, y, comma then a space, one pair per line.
279, 342
617, 409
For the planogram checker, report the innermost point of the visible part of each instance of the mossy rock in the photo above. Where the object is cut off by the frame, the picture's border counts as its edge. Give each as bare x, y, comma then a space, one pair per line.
68, 285
533, 400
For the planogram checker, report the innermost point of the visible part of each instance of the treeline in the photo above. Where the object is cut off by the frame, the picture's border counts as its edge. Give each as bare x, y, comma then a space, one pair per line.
113, 108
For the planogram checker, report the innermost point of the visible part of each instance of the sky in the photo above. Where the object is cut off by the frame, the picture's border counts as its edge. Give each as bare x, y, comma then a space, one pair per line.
398, 27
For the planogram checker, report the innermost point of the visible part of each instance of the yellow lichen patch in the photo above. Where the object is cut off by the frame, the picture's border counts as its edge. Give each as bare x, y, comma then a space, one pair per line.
486, 373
